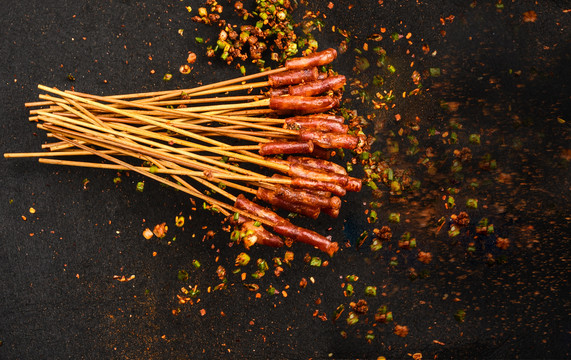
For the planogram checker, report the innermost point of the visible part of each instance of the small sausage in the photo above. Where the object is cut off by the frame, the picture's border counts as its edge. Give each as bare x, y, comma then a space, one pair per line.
315, 59
303, 209
299, 170
307, 198
286, 147
328, 117
292, 77
307, 236
312, 184
330, 140
321, 193
244, 204
303, 104
316, 125
354, 184
334, 213
321, 153
317, 87
318, 164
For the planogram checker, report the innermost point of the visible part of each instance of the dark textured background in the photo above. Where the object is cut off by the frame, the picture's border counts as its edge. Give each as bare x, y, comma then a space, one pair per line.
58, 298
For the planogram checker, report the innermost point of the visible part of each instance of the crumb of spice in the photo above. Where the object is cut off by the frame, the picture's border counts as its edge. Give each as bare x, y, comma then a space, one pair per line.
401, 330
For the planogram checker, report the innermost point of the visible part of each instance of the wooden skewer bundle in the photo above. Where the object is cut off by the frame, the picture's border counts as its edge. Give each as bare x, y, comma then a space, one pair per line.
219, 142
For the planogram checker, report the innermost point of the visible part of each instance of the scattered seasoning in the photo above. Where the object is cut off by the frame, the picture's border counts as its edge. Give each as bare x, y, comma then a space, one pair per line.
242, 259
315, 261
338, 311
460, 316
140, 186
122, 278
370, 336
182, 275
160, 230
353, 318
252, 287
371, 291
196, 264
401, 330
351, 278
472, 203
360, 307
394, 217
364, 235
185, 69
179, 221
348, 290
147, 234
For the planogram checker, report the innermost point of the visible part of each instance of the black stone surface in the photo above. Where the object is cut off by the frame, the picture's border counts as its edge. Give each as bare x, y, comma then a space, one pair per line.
58, 298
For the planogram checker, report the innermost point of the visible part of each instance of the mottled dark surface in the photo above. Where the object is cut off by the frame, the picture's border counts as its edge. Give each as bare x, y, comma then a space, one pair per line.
502, 78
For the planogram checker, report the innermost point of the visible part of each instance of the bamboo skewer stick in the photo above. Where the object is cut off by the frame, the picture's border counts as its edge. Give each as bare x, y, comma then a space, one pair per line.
218, 151
197, 194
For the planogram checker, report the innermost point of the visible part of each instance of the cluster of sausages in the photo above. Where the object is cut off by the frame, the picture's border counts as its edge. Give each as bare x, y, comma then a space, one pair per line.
316, 184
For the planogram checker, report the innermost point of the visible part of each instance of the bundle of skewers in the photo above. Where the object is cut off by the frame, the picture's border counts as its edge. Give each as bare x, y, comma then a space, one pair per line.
209, 138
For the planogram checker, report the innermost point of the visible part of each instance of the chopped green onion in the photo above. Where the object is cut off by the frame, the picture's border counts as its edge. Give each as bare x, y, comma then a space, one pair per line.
371, 291
140, 186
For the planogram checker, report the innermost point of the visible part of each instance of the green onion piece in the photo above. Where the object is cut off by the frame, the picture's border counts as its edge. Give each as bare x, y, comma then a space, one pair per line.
376, 245
474, 139
371, 291
435, 72
372, 185
372, 216
394, 217
348, 290
351, 278
242, 259
140, 186
182, 275
353, 318
472, 203
262, 265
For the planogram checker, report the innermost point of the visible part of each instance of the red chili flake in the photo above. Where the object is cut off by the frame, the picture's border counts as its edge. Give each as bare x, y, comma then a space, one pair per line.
191, 57
502, 243
202, 312
160, 230
401, 330
424, 257
529, 16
